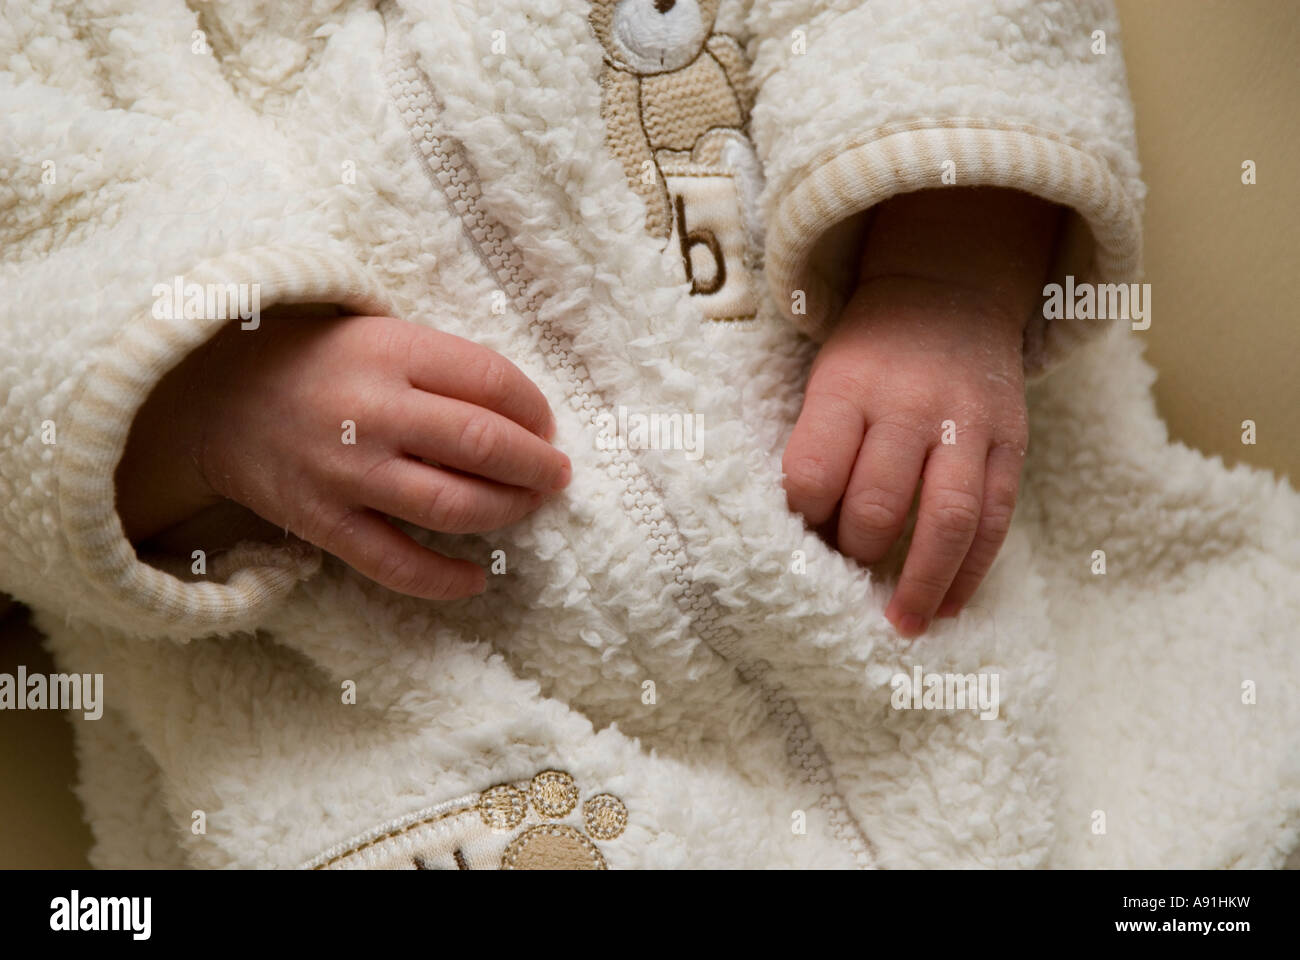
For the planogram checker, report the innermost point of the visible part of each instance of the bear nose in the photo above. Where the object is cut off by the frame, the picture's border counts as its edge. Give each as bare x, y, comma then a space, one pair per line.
663, 6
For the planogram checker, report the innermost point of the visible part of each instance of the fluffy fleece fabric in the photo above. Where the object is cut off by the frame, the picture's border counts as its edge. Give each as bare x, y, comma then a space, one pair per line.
672, 671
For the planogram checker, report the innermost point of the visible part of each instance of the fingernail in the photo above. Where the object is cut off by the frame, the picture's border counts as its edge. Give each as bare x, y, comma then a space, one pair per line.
948, 610
551, 428
566, 474
911, 624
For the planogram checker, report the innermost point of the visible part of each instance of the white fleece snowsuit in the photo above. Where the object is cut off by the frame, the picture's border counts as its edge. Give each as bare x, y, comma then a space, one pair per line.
655, 207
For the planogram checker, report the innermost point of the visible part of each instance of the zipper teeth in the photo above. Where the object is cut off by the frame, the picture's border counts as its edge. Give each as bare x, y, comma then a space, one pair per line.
447, 166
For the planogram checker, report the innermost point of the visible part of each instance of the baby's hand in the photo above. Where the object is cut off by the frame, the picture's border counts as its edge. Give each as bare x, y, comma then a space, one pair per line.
258, 417
920, 382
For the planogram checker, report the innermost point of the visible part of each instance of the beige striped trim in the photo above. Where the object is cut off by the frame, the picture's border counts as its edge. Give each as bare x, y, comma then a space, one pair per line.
902, 158
90, 446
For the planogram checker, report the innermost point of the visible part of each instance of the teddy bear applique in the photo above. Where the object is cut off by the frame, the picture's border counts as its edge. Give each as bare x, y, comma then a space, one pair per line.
676, 97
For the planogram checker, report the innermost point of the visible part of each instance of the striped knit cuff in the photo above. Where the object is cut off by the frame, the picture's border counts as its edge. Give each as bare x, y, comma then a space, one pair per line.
809, 249
137, 597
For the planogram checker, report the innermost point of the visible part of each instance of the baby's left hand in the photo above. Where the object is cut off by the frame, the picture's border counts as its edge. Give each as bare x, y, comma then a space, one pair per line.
921, 381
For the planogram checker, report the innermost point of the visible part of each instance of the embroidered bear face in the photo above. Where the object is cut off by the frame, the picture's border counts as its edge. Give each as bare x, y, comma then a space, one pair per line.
653, 36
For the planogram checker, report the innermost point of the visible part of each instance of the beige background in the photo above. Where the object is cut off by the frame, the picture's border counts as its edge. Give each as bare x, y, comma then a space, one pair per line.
1216, 82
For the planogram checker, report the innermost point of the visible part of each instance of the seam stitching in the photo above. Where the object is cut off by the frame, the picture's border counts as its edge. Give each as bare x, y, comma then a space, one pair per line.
413, 96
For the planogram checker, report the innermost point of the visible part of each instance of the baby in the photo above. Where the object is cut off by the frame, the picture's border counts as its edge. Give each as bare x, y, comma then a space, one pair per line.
475, 230
458, 438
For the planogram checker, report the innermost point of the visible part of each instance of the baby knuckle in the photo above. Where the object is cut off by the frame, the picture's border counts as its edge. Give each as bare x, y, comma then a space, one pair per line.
995, 524
845, 386
391, 340
480, 441
548, 469
955, 513
926, 583
872, 514
900, 428
400, 572
928, 408
448, 586
374, 479
1003, 492
452, 511
329, 529
384, 406
1015, 441
494, 378
808, 477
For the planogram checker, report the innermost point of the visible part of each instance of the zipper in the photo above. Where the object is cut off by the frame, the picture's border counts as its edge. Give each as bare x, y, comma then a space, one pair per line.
449, 170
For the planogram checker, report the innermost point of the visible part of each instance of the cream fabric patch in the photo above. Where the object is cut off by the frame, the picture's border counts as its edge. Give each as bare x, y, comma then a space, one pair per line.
708, 230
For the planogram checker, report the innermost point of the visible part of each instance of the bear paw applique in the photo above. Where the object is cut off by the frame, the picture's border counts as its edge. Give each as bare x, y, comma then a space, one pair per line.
557, 842
537, 824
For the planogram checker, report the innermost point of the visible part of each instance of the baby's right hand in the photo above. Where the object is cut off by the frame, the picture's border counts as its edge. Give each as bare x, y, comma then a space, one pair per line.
262, 417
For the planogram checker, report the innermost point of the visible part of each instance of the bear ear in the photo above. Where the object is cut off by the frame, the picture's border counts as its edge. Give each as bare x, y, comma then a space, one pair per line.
602, 20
